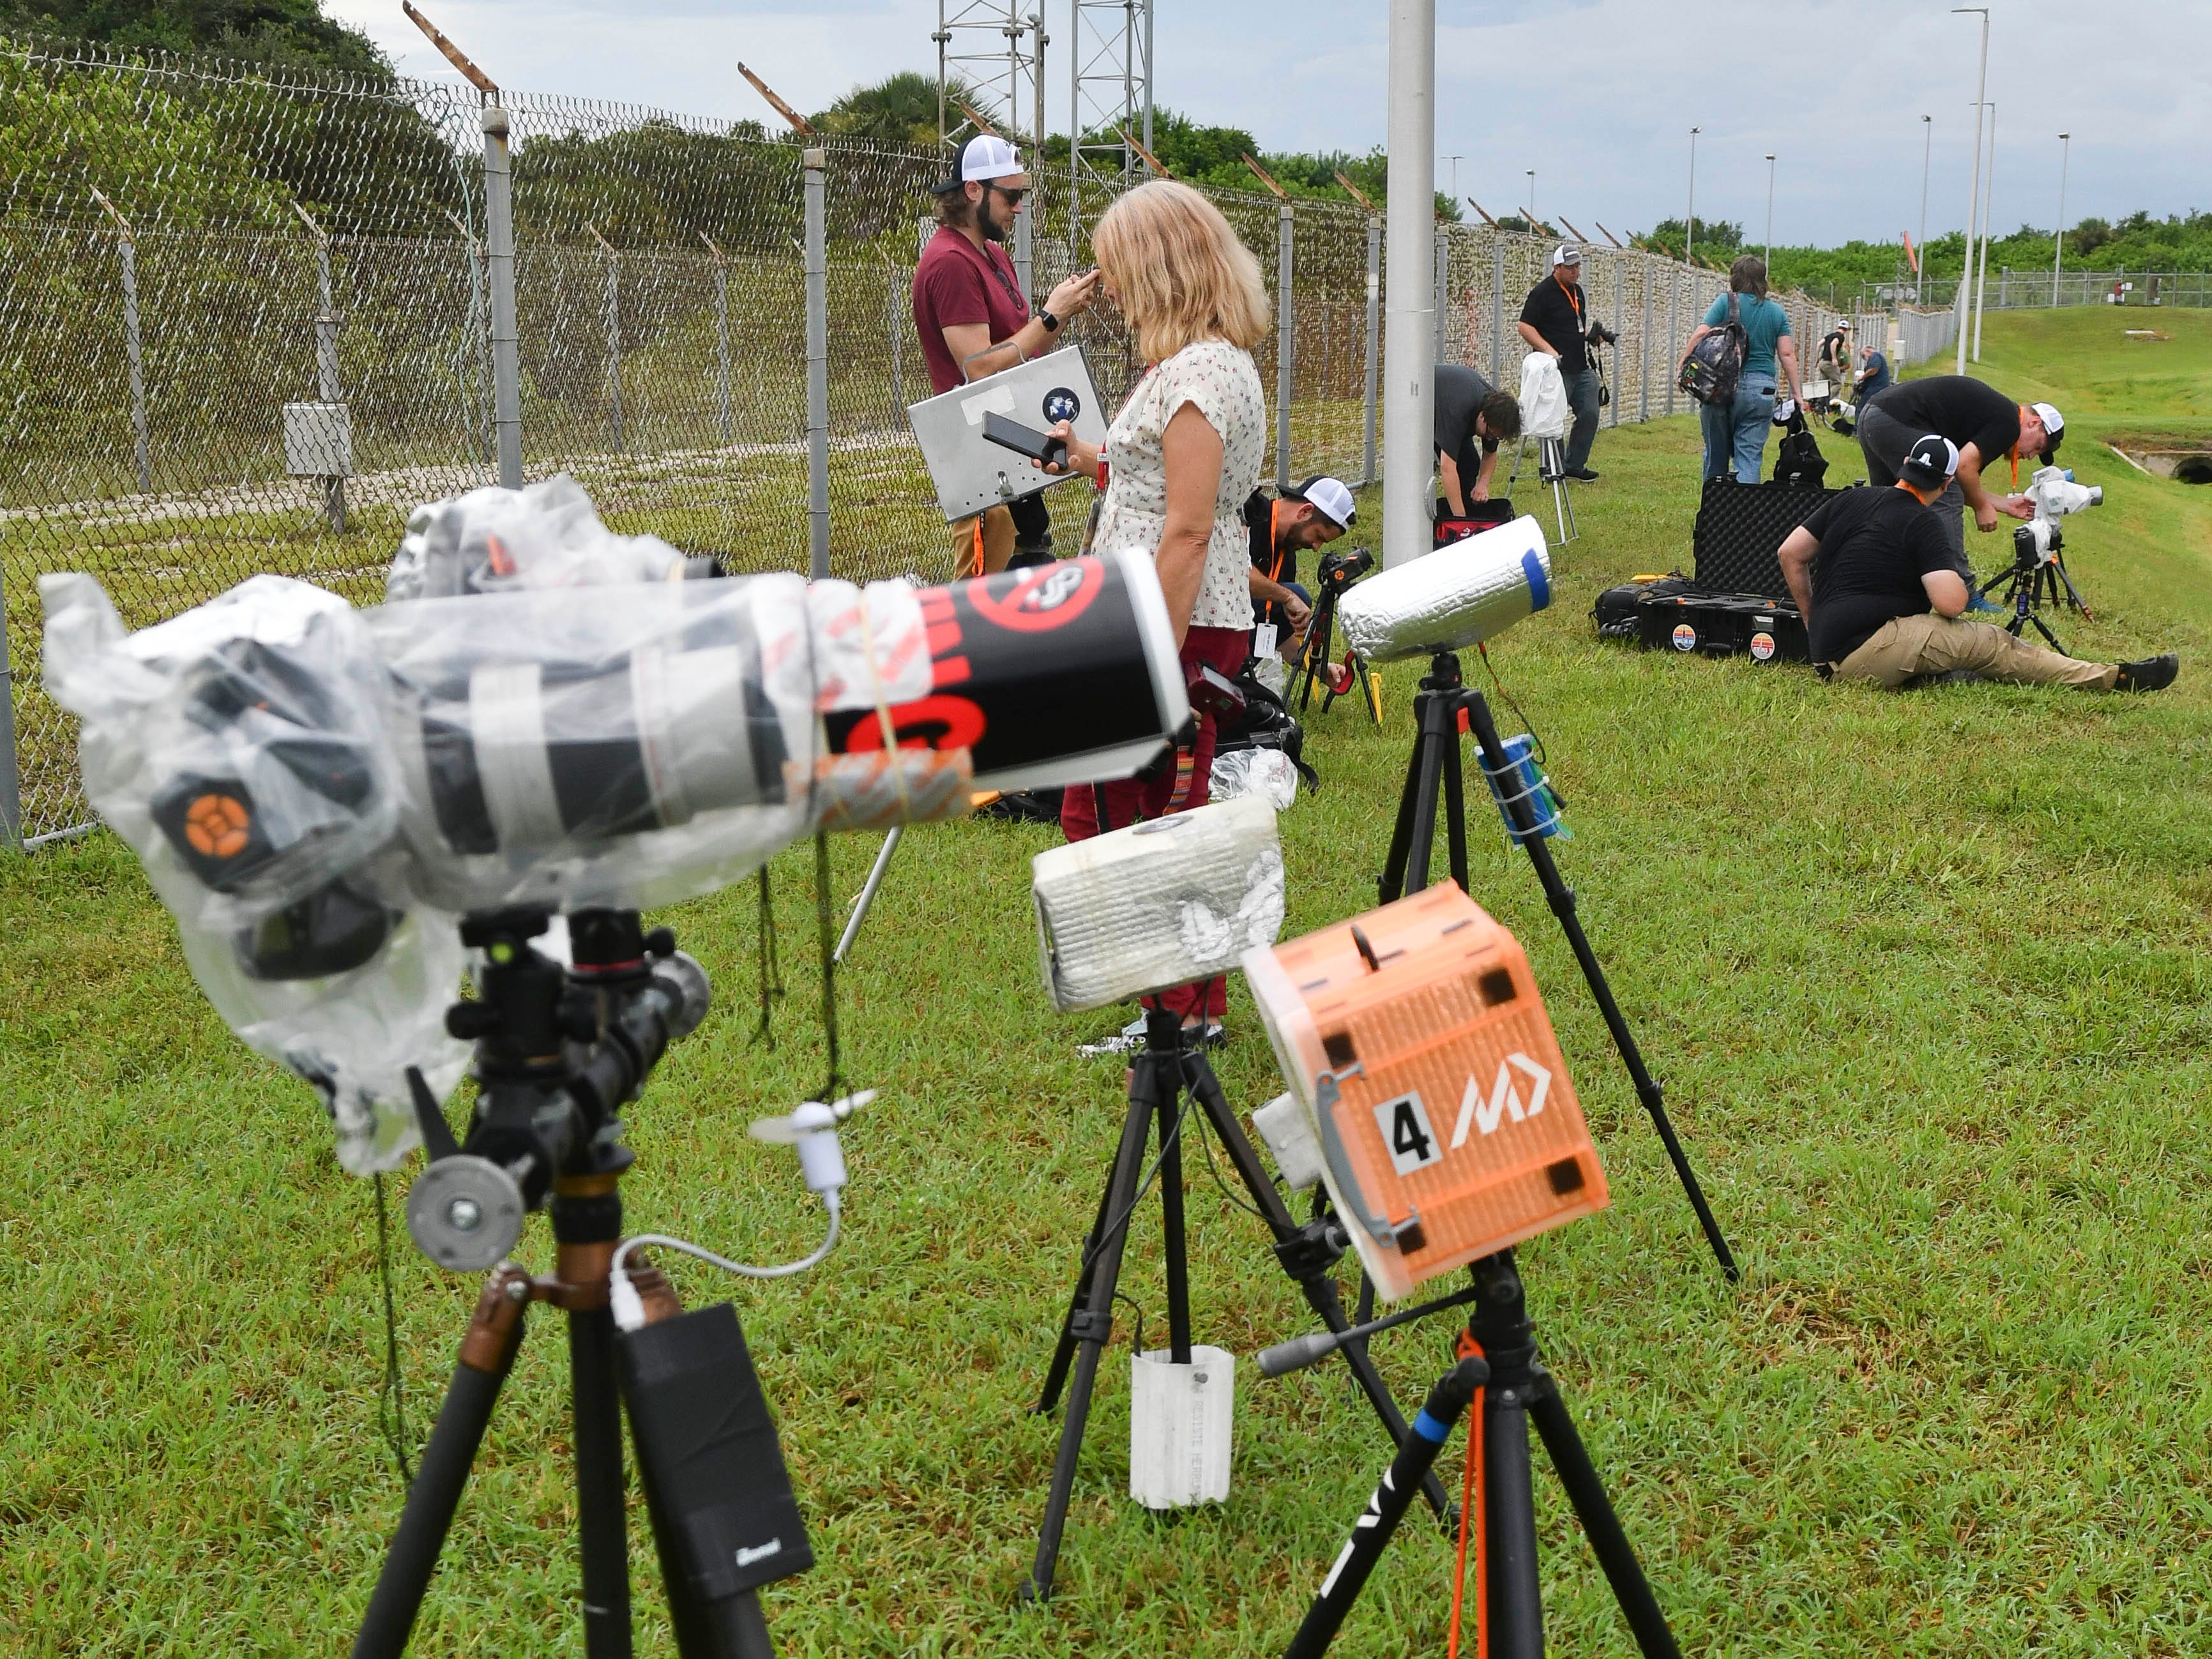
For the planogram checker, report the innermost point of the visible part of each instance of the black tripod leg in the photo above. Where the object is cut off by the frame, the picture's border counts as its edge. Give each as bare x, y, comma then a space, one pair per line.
1600, 1524
1367, 689
1562, 900
1063, 1355
487, 1353
1509, 1522
1092, 1324
2043, 628
1171, 1224
1446, 1404
1311, 1277
1434, 722
1392, 883
601, 1526
1455, 799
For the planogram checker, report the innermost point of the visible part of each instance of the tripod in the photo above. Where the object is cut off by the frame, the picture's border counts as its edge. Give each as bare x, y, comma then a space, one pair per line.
2031, 577
1551, 469
1497, 1357
1321, 631
1164, 1072
542, 1111
1438, 708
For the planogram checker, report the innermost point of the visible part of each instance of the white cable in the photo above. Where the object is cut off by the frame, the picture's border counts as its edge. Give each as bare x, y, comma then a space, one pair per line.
629, 1307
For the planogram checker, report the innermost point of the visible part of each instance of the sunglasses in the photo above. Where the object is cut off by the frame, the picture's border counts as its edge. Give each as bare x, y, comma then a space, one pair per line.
1013, 196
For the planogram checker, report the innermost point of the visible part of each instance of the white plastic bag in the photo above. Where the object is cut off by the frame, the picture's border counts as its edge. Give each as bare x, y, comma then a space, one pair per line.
1543, 397
1267, 773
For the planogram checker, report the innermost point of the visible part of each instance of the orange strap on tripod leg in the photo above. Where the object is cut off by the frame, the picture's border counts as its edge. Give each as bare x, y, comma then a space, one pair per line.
1471, 1519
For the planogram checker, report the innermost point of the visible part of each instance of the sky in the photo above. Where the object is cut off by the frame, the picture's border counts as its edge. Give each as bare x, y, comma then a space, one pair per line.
1597, 96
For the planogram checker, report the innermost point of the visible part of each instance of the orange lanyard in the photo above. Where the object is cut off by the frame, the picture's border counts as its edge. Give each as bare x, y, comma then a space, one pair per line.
1274, 542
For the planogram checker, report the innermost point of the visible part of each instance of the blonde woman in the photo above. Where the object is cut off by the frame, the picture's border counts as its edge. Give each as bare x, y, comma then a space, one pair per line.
1178, 463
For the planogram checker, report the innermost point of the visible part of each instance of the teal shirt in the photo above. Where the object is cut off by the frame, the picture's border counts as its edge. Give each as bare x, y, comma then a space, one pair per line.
1764, 323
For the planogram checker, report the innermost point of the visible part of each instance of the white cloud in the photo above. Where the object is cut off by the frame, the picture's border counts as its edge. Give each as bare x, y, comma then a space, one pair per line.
1597, 97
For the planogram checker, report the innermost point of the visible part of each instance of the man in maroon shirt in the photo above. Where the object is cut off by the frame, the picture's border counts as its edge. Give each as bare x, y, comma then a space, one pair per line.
973, 321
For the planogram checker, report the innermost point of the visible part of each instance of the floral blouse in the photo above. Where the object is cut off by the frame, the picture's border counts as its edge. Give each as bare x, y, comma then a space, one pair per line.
1221, 380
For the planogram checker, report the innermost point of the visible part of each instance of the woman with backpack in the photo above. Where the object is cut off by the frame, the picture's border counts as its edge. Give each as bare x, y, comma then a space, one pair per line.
1759, 329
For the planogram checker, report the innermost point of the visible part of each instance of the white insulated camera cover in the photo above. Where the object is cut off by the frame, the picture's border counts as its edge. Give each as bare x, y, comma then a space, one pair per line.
1460, 595
1158, 904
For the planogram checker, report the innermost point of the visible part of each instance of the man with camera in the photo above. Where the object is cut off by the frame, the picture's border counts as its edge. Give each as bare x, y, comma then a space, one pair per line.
1470, 410
1982, 423
1552, 322
973, 321
1873, 576
1308, 515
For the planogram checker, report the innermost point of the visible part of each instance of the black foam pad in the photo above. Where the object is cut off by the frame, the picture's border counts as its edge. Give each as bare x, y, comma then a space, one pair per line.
1741, 528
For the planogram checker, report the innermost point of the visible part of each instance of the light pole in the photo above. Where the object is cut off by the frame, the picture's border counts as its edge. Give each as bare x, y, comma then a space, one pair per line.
1974, 197
1531, 172
1989, 189
1455, 161
1690, 221
2059, 257
1927, 154
1770, 218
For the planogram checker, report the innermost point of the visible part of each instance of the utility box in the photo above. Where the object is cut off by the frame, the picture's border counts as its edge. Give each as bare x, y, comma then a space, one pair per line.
319, 440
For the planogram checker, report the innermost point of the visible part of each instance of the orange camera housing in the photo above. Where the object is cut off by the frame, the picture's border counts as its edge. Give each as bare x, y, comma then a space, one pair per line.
1416, 1039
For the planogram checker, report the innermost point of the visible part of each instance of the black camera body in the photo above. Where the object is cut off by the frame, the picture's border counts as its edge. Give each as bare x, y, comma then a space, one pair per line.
1339, 571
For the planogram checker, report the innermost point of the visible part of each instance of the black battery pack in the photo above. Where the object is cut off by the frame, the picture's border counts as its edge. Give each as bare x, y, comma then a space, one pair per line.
708, 1454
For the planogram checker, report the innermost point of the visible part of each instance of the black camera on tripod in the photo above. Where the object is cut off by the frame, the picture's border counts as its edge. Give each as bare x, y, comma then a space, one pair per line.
1339, 571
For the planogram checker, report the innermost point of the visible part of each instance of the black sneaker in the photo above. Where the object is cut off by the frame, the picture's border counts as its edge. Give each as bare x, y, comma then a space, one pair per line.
2151, 674
1583, 474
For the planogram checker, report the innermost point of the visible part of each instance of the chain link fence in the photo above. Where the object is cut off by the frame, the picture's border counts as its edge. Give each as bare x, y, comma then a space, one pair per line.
249, 318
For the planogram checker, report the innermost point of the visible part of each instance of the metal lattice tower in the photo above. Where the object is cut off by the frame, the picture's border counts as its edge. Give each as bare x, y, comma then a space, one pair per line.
1110, 66
998, 50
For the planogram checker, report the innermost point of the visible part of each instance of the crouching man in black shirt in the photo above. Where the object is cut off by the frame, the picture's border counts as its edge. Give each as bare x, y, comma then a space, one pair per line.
1873, 574
1280, 528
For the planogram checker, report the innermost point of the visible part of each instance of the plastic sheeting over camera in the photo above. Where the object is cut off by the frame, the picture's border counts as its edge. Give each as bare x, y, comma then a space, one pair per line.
1460, 595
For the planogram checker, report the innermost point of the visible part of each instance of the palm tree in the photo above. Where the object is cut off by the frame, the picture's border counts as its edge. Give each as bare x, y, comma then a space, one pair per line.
902, 109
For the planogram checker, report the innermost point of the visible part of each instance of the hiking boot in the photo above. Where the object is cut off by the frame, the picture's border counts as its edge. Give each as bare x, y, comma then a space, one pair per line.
2151, 674
1582, 474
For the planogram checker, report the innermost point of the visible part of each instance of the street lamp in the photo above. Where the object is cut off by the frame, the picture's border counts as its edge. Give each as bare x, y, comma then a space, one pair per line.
1690, 222
2059, 257
1770, 218
1455, 161
1927, 154
1974, 198
1989, 189
1531, 172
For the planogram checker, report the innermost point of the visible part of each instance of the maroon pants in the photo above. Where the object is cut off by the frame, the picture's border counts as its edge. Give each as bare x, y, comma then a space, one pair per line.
1185, 783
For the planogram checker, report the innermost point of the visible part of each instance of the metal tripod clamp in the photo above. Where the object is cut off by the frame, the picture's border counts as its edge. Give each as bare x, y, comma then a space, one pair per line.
1391, 1236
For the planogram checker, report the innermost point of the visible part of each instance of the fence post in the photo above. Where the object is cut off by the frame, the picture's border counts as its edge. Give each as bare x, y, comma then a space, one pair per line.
1674, 319
1619, 311
1374, 338
499, 262
614, 336
1644, 350
1286, 343
1498, 311
722, 338
818, 368
126, 249
11, 792
1442, 244
327, 358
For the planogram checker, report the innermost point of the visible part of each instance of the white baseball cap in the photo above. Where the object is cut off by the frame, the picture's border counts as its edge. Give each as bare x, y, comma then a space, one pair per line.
1328, 497
1567, 254
986, 156
2054, 425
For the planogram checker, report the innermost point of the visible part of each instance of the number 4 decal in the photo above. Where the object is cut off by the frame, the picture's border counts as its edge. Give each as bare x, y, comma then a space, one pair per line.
1404, 1123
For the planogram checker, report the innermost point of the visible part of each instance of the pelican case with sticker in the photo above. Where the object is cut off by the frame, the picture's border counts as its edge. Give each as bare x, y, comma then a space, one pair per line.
1615, 612
1722, 625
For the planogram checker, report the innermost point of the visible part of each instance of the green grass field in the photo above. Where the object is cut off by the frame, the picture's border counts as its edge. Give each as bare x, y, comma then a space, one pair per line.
1925, 976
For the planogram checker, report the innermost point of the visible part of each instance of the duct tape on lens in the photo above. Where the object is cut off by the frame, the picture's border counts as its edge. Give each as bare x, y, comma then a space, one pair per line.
1460, 595
1416, 1041
1161, 903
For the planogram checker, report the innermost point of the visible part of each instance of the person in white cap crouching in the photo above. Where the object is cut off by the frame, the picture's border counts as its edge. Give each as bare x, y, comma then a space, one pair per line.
1278, 529
1872, 576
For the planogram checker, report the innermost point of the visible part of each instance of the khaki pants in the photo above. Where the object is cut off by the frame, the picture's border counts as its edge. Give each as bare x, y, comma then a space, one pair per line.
1930, 644
983, 544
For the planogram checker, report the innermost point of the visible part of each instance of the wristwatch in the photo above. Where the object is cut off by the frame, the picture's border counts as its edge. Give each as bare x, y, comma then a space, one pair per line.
1051, 323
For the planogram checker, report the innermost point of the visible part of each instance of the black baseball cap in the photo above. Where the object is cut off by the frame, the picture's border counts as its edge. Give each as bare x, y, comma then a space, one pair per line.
1329, 498
1930, 463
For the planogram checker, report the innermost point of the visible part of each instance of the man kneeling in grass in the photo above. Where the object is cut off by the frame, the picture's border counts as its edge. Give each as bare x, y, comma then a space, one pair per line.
1876, 579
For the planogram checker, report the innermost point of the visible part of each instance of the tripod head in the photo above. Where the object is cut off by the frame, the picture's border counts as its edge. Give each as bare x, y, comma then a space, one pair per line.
558, 1050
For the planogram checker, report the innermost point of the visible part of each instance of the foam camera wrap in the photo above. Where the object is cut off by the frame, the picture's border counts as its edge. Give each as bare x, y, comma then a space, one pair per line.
1460, 595
1158, 904
1416, 1039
